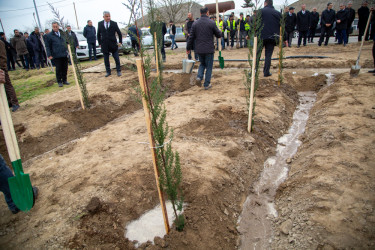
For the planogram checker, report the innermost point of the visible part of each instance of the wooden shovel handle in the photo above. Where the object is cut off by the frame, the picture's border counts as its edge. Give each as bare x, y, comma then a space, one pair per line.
8, 129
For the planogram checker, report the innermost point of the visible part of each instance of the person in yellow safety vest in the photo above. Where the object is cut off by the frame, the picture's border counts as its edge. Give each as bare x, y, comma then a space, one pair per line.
244, 27
221, 28
183, 26
231, 28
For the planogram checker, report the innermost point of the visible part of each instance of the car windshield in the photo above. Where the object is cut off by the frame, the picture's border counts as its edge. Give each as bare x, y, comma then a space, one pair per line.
80, 36
146, 32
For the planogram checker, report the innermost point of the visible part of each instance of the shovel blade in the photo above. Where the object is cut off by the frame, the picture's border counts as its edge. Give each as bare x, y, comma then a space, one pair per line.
21, 191
221, 60
354, 71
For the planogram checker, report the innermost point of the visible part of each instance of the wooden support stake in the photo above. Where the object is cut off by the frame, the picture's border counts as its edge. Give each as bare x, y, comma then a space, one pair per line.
252, 84
157, 55
142, 82
75, 76
280, 57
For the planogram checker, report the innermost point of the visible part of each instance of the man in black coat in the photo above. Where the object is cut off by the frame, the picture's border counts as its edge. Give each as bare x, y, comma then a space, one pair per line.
327, 20
314, 20
363, 14
202, 34
30, 50
72, 38
11, 65
290, 24
303, 25
56, 46
351, 17
89, 33
36, 42
107, 30
172, 34
342, 25
270, 32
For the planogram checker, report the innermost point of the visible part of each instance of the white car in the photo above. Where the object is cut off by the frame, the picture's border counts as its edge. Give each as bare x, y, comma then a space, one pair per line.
147, 40
83, 49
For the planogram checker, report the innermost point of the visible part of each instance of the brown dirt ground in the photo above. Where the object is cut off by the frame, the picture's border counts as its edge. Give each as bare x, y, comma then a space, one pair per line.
94, 177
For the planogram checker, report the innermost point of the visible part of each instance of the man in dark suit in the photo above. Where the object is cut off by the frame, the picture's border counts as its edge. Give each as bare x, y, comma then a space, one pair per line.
314, 20
351, 18
271, 30
290, 24
303, 24
363, 14
107, 30
327, 20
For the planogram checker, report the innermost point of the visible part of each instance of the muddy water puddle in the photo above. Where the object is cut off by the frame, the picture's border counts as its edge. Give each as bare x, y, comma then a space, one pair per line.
254, 223
149, 225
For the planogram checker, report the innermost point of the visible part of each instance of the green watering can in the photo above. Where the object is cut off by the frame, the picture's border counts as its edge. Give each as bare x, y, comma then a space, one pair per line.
20, 185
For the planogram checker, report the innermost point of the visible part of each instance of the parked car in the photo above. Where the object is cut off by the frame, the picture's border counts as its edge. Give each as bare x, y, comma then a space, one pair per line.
147, 41
83, 50
179, 37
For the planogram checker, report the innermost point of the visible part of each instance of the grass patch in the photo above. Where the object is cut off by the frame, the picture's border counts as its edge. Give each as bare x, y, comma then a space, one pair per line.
33, 83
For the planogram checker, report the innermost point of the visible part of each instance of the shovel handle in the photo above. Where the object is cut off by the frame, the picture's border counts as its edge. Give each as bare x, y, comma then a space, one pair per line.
8, 129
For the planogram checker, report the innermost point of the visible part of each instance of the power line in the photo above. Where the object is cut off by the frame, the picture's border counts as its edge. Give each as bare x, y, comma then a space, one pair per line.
32, 7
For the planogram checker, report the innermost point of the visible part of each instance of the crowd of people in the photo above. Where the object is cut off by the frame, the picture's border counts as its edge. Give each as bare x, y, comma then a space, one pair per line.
199, 33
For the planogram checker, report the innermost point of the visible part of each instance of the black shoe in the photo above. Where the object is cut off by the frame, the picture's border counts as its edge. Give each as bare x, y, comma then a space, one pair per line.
176, 47
326, 44
298, 46
371, 71
108, 74
15, 108
267, 74
15, 211
60, 84
66, 83
119, 73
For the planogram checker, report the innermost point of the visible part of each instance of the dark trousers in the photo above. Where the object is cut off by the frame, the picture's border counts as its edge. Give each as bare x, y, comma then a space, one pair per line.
61, 69
232, 35
39, 62
15, 59
25, 61
269, 45
107, 64
326, 31
341, 36
9, 90
10, 61
92, 48
289, 37
362, 32
31, 61
135, 46
302, 34
373, 53
163, 50
5, 174
195, 54
206, 64
311, 34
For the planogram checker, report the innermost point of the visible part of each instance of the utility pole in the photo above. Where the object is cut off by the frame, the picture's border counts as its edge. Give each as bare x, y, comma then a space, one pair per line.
74, 4
36, 23
2, 25
36, 11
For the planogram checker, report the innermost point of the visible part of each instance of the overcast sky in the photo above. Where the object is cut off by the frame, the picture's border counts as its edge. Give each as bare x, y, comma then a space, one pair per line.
18, 14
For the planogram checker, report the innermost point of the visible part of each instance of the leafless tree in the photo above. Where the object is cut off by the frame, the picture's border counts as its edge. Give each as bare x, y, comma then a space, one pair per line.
58, 18
173, 9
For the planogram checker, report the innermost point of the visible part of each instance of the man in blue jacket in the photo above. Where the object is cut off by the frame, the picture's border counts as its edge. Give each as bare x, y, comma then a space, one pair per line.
135, 36
36, 42
57, 50
271, 30
202, 33
89, 33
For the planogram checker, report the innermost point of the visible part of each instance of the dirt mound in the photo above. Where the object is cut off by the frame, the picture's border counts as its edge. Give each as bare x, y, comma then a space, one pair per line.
222, 122
300, 83
79, 122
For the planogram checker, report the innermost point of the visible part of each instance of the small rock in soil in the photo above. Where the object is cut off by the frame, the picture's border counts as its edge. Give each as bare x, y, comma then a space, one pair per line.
94, 205
286, 226
289, 160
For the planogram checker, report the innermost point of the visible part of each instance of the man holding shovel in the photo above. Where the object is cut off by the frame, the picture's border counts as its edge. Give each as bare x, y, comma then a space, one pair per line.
202, 33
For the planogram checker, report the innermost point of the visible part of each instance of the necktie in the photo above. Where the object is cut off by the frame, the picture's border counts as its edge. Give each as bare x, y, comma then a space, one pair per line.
57, 33
107, 24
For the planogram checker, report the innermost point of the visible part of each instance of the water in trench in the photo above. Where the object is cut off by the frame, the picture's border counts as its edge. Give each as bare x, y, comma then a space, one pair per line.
149, 225
254, 223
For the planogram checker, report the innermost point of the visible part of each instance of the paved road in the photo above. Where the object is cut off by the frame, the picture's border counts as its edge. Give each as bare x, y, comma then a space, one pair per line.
352, 39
